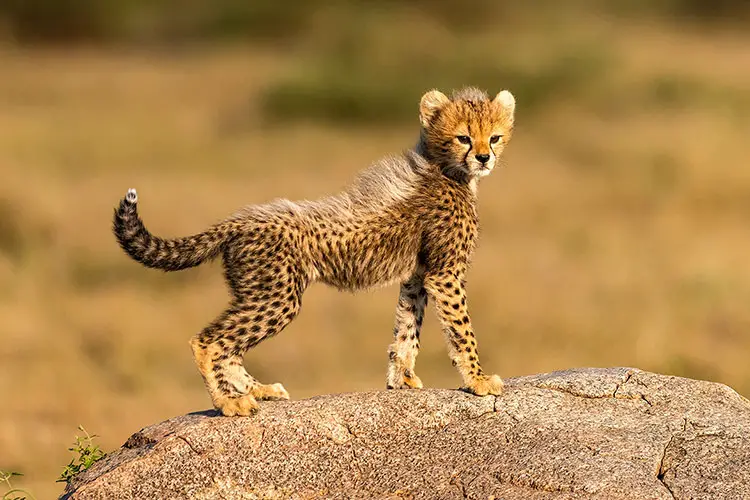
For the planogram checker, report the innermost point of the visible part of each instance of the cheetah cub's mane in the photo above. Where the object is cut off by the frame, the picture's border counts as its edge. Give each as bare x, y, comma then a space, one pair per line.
384, 184
409, 218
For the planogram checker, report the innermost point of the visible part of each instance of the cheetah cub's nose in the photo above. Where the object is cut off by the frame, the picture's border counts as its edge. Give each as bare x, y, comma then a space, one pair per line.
483, 158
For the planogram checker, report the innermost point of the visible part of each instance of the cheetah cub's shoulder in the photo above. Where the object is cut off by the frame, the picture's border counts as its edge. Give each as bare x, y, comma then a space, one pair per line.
409, 218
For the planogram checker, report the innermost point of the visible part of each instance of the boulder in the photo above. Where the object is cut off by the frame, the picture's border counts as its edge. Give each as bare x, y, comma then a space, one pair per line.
617, 433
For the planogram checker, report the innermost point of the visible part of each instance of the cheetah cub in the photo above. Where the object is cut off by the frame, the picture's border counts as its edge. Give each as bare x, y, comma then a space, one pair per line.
410, 218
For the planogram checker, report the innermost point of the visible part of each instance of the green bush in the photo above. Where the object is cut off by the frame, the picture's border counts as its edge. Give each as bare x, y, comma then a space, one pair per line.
341, 91
145, 21
711, 10
694, 11
61, 20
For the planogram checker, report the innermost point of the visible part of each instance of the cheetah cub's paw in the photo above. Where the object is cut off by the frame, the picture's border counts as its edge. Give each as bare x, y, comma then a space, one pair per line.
402, 378
485, 384
270, 391
237, 406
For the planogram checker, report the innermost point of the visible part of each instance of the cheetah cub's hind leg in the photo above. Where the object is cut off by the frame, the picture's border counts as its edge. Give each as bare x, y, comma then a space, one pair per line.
226, 380
403, 351
219, 348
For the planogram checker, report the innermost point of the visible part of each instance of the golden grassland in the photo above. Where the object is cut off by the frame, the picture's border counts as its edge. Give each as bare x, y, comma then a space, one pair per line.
617, 234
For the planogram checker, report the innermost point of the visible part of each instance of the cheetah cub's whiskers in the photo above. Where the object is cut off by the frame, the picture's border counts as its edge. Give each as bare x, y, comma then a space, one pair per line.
410, 218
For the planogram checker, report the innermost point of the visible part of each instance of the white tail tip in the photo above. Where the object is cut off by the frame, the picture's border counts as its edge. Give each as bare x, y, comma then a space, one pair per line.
131, 196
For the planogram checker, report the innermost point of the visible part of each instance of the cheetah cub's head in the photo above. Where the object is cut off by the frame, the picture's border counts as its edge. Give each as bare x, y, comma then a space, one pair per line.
465, 134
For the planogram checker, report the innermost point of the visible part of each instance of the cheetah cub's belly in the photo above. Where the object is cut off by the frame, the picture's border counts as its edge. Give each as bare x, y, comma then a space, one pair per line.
376, 255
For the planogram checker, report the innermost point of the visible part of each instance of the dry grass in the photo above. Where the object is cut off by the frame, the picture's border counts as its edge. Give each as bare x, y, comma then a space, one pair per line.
618, 234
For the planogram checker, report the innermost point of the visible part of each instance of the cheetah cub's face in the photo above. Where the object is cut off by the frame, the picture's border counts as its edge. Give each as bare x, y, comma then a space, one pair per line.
465, 135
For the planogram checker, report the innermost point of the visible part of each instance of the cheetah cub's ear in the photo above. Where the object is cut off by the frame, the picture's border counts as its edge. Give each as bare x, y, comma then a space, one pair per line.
507, 101
429, 106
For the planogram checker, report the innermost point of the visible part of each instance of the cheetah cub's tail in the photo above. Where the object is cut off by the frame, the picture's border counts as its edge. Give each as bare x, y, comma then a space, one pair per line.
166, 254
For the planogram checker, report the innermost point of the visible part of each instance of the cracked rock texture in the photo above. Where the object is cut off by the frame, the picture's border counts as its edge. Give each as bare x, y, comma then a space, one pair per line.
617, 433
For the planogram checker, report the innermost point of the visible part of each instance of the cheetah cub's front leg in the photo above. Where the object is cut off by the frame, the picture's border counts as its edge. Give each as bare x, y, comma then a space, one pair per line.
447, 290
403, 351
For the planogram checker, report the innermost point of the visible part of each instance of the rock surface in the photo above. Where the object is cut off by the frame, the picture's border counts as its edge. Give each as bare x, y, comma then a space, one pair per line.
616, 433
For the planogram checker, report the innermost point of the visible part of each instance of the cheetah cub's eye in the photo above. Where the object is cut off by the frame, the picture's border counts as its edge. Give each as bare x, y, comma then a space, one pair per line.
463, 139
494, 139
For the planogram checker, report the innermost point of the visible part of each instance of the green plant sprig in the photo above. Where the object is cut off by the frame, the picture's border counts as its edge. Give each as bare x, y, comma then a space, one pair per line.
87, 452
13, 493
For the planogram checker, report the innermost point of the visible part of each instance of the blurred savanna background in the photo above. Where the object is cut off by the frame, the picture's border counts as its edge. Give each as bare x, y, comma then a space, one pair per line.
618, 232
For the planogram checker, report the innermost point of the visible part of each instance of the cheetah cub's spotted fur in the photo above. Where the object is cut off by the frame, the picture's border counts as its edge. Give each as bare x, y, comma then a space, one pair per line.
410, 218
